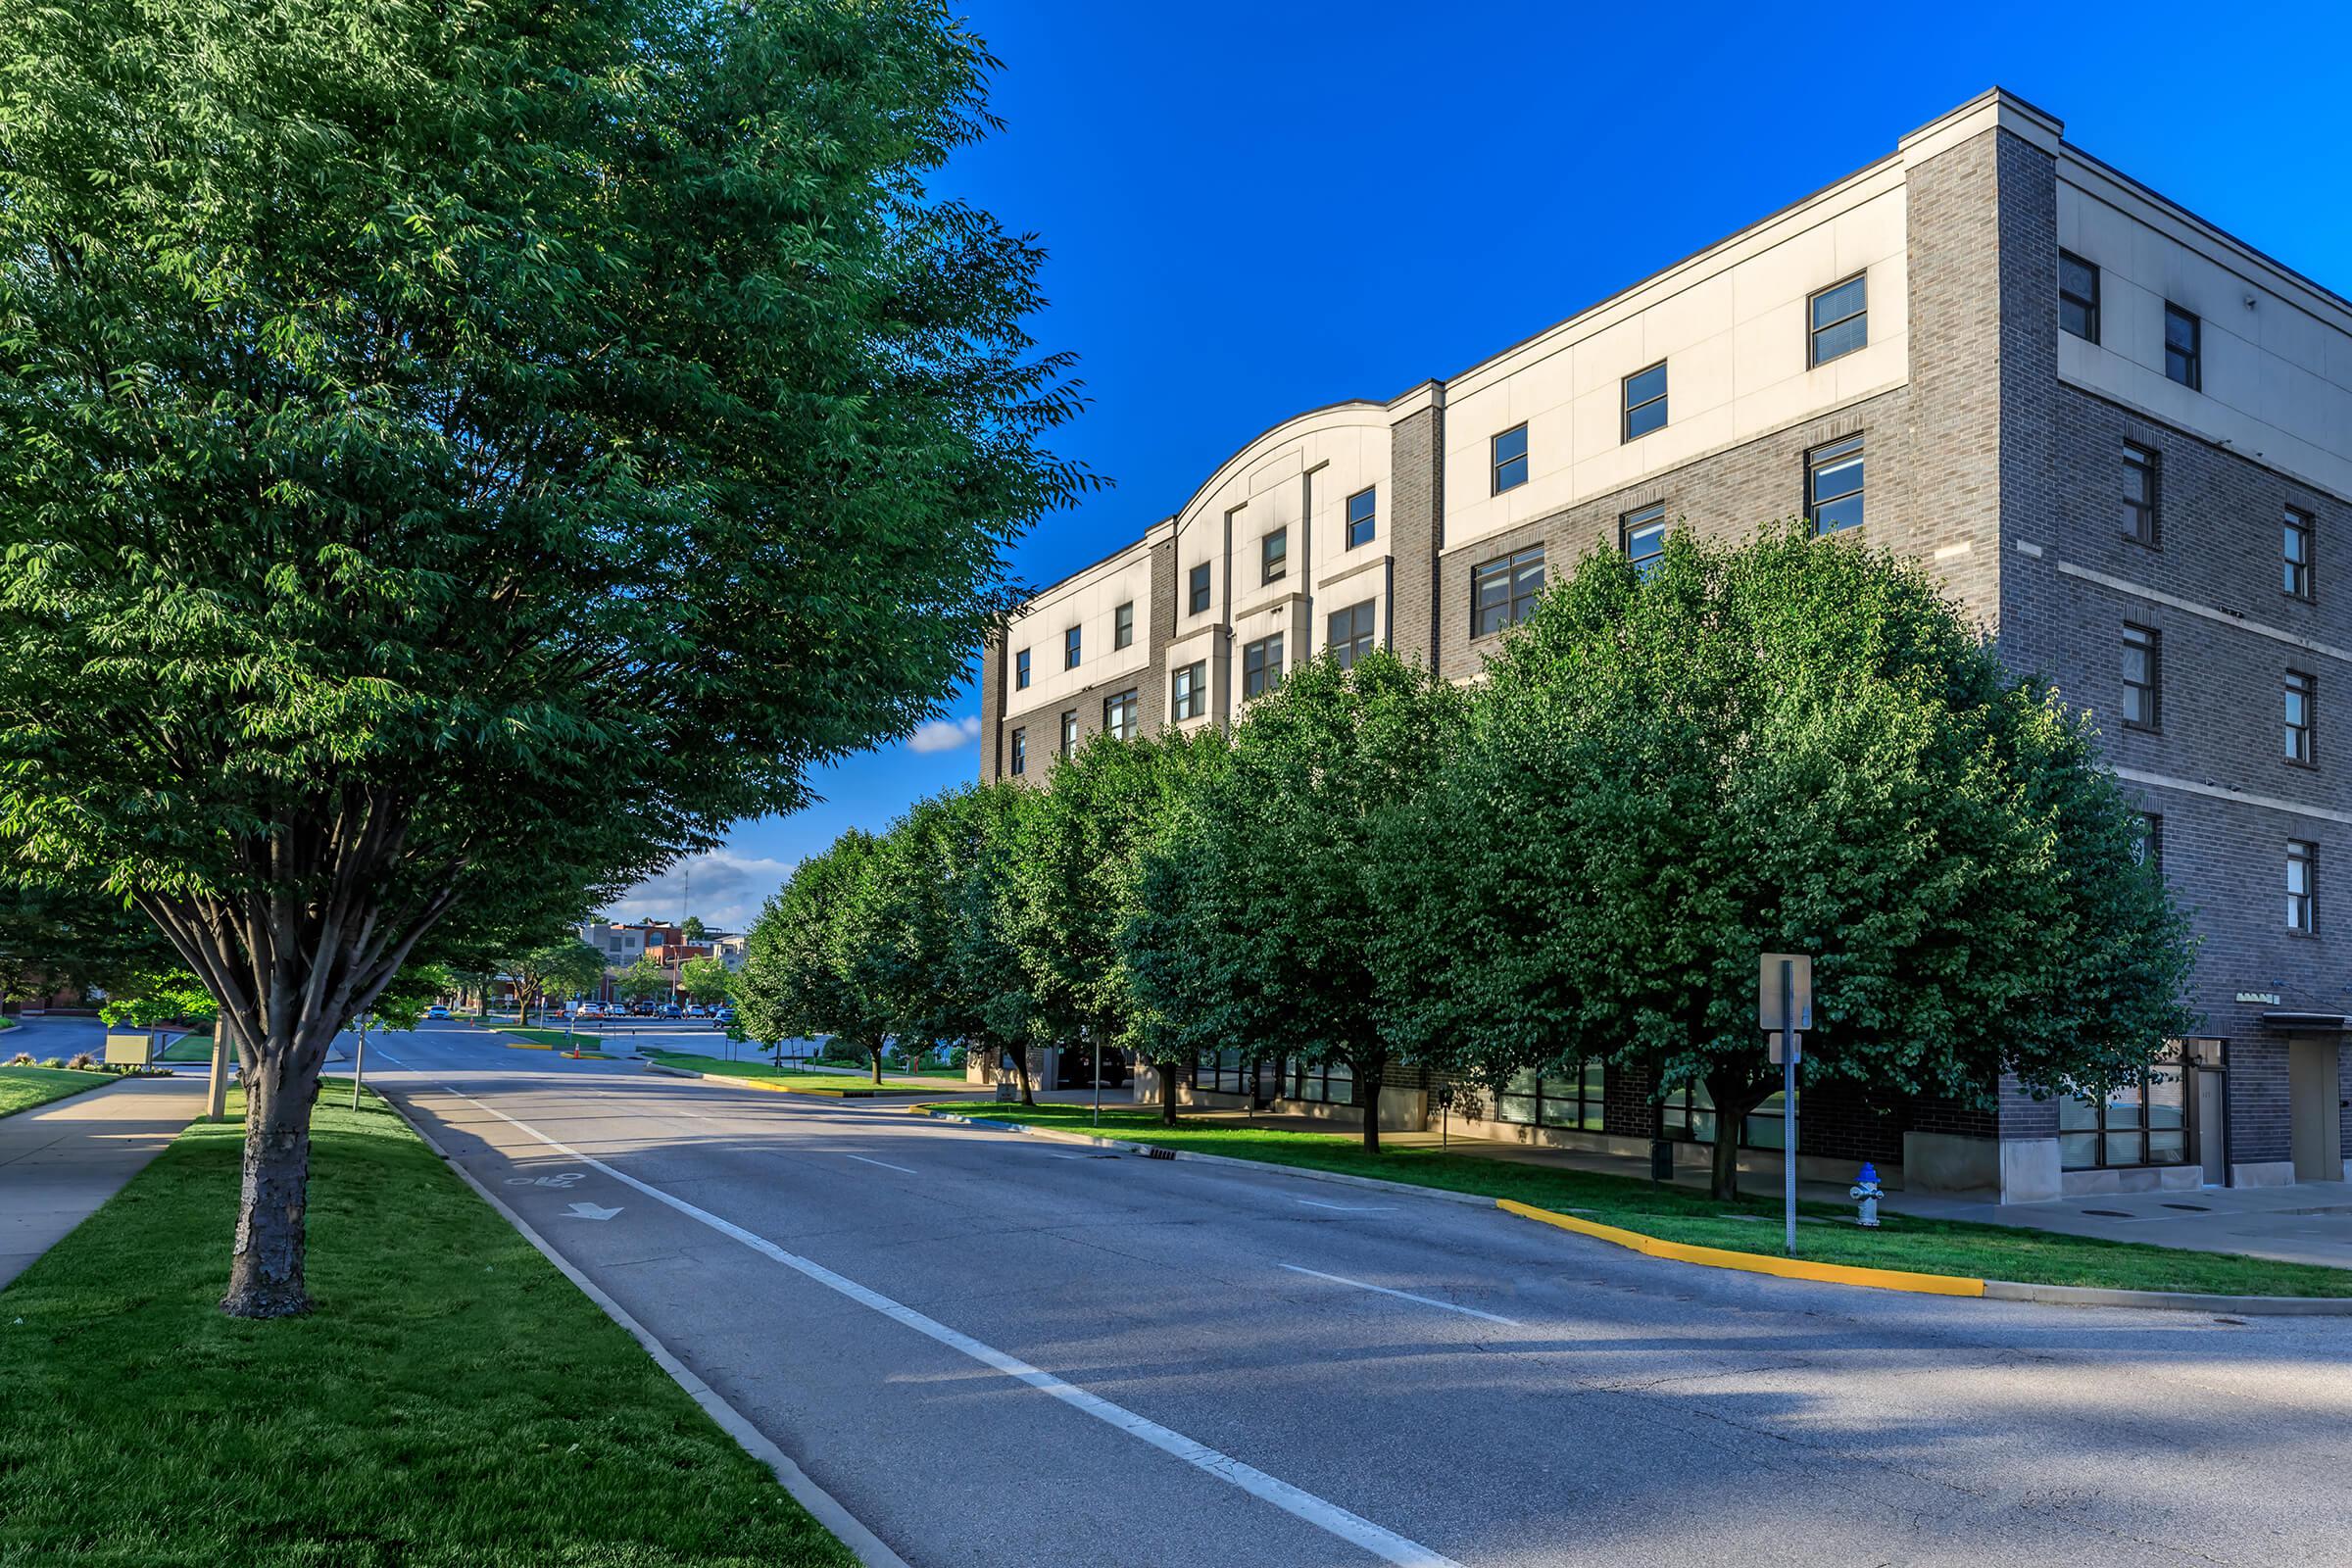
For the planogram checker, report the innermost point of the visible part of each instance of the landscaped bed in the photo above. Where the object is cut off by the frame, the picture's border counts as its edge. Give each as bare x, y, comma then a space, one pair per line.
1751, 1225
453, 1399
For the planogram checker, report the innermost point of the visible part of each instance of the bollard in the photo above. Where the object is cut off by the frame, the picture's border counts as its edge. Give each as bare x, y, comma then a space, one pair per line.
1865, 1191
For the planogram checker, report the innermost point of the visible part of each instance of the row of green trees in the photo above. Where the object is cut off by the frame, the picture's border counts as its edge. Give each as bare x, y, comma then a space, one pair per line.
1794, 745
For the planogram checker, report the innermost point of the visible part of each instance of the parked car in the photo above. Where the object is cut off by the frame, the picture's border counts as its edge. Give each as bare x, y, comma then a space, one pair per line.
695, 1010
669, 1009
436, 1011
591, 1009
723, 1014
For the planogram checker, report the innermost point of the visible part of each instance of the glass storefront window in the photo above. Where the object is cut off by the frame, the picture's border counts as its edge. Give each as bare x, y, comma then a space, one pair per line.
1571, 1102
2141, 1123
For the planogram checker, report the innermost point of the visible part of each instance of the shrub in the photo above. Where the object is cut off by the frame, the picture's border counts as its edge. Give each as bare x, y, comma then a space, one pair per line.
84, 1063
53, 1062
23, 1058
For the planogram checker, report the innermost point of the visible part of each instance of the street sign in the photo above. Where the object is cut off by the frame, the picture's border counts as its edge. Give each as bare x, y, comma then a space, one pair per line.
1783, 1046
1769, 991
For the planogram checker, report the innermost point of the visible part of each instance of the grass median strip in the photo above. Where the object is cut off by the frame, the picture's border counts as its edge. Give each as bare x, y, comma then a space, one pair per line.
1902, 1242
767, 1075
22, 1088
455, 1399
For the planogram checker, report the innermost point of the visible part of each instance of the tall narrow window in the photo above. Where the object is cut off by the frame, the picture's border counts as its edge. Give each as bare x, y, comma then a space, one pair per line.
1645, 401
2302, 702
2296, 552
1348, 633
1020, 753
1196, 597
1362, 507
1069, 733
1274, 556
1069, 649
2078, 297
1121, 715
2143, 678
2302, 885
1840, 320
1187, 690
1510, 458
1261, 665
1503, 591
2140, 493
1020, 670
2148, 848
2184, 347
1833, 486
1122, 625
1643, 534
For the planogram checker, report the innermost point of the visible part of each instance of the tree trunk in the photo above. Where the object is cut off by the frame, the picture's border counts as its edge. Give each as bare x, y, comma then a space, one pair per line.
266, 1270
1020, 1064
1167, 1071
875, 1052
1734, 1096
1369, 1076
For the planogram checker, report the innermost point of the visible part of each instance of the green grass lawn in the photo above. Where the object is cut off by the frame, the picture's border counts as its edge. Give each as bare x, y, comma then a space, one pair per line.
22, 1088
557, 1038
454, 1400
821, 1083
197, 1047
1683, 1214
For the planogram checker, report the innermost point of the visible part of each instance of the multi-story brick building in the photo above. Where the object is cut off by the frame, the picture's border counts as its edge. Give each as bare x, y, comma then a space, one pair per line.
2121, 437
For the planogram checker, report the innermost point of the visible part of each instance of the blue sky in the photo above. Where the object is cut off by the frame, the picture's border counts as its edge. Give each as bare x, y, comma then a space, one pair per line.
1256, 209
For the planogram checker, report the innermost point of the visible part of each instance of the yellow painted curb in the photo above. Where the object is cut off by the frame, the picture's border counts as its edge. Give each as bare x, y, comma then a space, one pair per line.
525, 1044
1787, 1268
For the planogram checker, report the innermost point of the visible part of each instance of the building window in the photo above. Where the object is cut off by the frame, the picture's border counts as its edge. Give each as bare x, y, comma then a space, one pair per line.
1221, 1072
1841, 319
1122, 716
2143, 678
2148, 848
1070, 648
1503, 591
1331, 1082
1645, 401
1198, 598
1020, 670
1187, 690
2296, 551
1348, 633
1020, 753
1572, 1101
2302, 885
1122, 625
1688, 1115
1261, 665
2183, 348
2144, 1122
1069, 733
1833, 486
1510, 458
2078, 297
2141, 472
1643, 535
1274, 556
1362, 507
2302, 701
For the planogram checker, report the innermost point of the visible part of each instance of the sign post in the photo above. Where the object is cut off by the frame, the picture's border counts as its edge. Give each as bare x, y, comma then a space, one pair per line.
1784, 1010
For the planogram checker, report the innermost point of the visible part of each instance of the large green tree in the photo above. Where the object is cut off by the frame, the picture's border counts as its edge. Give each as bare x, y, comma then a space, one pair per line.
705, 980
461, 450
553, 971
817, 960
1793, 745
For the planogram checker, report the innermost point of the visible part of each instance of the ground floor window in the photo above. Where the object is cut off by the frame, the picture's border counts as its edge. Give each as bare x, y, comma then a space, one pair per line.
1688, 1115
1331, 1083
1221, 1072
2145, 1122
1534, 1099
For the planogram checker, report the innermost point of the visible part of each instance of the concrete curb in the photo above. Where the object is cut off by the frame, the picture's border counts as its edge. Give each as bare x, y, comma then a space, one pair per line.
868, 1548
1745, 1263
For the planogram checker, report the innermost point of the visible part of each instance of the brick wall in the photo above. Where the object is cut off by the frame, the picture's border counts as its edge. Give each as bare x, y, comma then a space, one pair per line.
995, 749
1415, 523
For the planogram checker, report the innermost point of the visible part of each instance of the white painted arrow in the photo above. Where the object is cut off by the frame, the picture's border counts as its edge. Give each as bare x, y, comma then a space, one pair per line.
591, 1212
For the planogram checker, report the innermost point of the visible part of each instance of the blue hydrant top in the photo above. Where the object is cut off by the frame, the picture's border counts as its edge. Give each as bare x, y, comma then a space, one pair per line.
1870, 1174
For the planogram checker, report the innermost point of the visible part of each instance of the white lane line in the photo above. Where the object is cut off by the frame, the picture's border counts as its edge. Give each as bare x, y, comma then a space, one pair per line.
1385, 1545
1406, 1296
1345, 1208
884, 1163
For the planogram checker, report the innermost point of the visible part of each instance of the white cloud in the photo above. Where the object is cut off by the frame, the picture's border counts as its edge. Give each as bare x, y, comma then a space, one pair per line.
947, 734
723, 888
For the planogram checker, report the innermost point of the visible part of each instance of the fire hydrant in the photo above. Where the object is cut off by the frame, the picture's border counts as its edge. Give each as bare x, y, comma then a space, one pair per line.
1865, 1191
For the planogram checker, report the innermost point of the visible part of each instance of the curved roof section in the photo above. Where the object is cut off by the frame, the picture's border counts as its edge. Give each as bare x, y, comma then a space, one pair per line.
1329, 417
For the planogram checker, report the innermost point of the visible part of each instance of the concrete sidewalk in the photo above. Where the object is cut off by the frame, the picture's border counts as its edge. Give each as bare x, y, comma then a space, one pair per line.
58, 1164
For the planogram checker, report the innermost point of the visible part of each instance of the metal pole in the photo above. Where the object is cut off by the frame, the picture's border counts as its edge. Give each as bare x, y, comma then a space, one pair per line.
359, 1065
1789, 1050
1098, 1034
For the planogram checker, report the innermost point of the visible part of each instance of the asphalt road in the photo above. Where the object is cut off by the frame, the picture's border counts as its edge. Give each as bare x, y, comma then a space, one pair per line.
999, 1352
